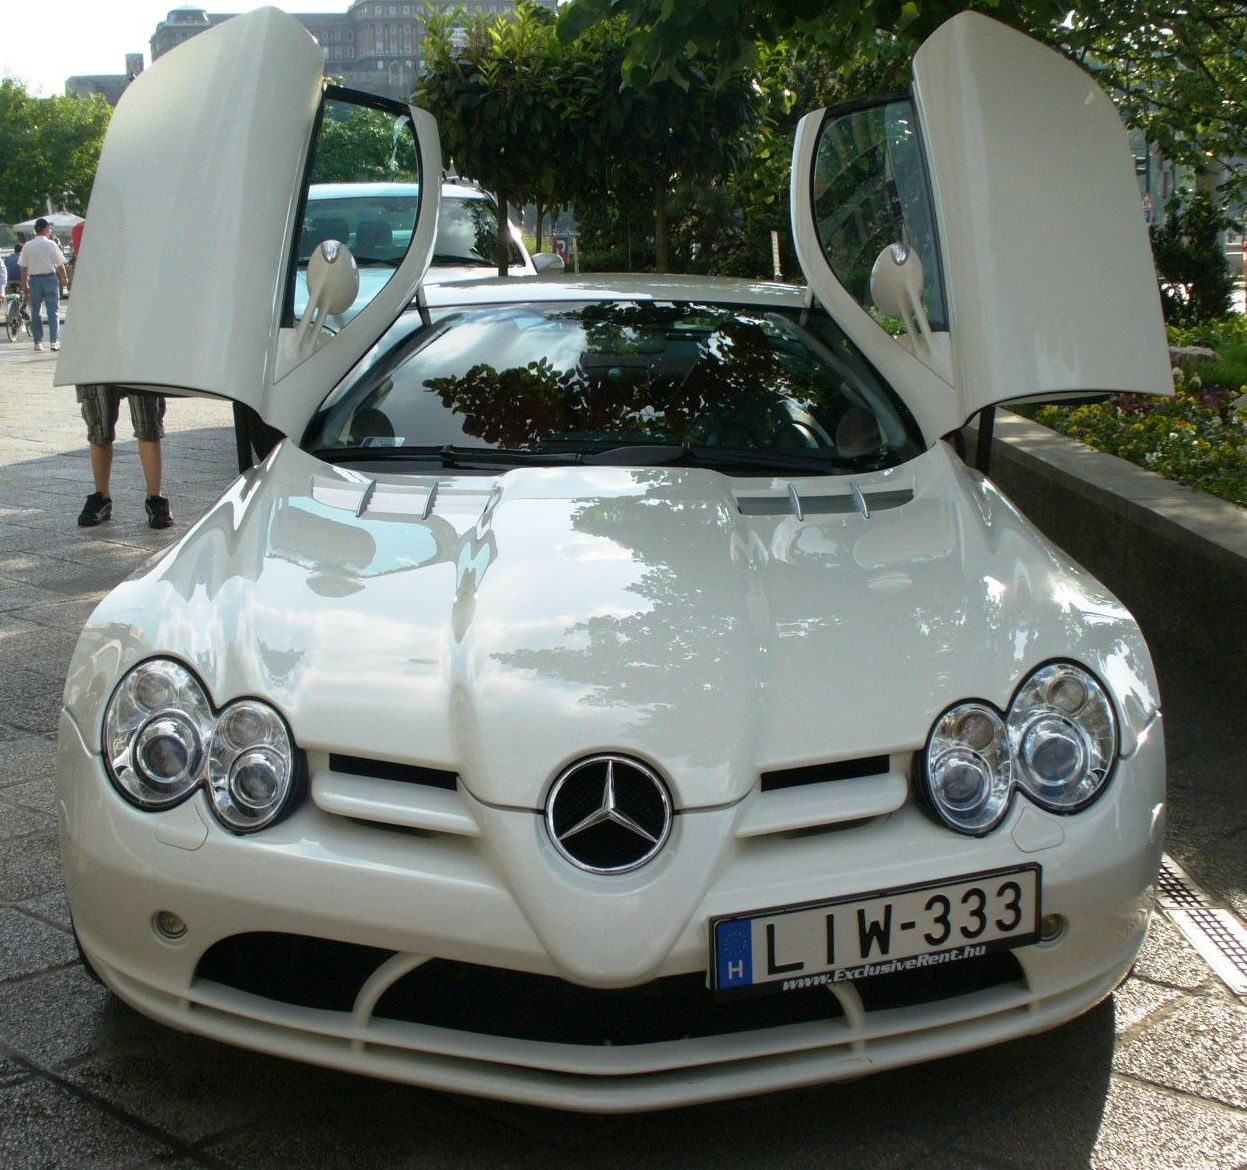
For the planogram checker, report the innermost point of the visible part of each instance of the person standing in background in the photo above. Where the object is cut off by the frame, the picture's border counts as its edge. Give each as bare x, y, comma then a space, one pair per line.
13, 269
100, 407
43, 276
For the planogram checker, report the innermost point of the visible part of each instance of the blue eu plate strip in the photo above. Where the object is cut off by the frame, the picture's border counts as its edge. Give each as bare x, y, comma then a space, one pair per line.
735, 954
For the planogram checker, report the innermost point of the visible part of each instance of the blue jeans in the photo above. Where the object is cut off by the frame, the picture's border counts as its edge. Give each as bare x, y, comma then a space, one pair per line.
45, 290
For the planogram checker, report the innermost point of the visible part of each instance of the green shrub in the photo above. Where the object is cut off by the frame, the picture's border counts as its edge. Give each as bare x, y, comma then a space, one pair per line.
1193, 438
1195, 279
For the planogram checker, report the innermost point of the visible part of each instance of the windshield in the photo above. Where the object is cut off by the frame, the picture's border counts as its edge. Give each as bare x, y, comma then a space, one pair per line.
556, 380
375, 221
467, 233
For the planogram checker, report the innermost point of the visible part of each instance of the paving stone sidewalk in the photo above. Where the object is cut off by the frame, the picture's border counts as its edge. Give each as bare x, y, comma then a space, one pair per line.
1157, 1077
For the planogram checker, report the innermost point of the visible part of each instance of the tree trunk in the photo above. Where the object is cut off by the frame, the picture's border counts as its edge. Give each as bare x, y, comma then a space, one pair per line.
660, 227
541, 215
504, 236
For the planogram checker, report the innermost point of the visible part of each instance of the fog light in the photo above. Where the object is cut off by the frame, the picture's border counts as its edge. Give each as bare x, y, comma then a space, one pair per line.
1051, 926
169, 925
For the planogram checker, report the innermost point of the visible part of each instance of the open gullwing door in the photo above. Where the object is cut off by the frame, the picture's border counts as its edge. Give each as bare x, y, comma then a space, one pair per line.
198, 234
981, 237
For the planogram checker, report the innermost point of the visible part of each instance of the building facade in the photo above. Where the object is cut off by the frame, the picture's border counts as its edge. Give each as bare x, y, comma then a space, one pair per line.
375, 45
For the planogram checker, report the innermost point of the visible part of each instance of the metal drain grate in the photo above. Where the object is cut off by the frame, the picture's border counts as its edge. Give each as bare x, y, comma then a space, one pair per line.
1176, 891
1216, 934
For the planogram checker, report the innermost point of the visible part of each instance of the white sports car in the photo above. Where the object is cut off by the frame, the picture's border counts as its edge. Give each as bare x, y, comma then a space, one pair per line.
617, 693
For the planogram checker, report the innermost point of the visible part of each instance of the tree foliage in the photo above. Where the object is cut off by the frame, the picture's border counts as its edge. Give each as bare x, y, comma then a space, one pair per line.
535, 119
49, 150
360, 146
663, 34
638, 143
1177, 73
495, 87
1195, 278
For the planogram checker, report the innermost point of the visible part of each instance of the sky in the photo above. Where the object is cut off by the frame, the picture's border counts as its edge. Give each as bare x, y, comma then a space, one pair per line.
93, 36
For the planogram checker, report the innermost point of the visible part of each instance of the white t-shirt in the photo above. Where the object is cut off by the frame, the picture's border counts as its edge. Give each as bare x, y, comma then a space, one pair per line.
41, 256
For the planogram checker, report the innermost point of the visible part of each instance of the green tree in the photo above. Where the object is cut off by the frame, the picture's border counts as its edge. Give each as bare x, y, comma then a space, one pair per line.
663, 36
495, 88
1175, 69
639, 142
359, 145
49, 150
1177, 73
792, 79
1195, 279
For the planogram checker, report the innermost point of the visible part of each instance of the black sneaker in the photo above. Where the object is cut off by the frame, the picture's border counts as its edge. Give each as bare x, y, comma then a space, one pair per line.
158, 515
97, 508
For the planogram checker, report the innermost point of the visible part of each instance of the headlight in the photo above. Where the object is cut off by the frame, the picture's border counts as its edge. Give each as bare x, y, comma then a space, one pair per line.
155, 728
1057, 743
250, 765
1064, 736
969, 768
162, 740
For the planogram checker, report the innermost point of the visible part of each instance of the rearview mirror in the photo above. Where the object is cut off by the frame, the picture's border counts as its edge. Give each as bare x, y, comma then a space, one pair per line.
896, 287
332, 286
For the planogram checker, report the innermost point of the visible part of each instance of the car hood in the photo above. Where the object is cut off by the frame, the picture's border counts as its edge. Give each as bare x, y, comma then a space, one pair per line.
504, 626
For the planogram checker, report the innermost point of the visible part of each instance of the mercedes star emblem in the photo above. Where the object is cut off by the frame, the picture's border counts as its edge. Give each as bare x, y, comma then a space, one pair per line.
608, 814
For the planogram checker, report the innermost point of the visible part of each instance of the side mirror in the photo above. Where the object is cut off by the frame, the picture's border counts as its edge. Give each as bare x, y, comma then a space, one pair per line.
896, 282
332, 286
548, 262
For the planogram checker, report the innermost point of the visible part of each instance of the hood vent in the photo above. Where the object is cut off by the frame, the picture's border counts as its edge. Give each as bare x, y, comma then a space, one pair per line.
793, 503
388, 770
821, 773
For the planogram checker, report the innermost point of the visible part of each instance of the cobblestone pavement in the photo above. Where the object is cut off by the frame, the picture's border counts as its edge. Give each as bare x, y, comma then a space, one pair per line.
1156, 1077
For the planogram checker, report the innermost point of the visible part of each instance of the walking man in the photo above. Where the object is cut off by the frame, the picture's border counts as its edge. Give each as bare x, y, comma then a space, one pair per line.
43, 275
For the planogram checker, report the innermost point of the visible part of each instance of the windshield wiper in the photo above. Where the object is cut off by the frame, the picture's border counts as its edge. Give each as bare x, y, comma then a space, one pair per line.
661, 454
452, 456
616, 455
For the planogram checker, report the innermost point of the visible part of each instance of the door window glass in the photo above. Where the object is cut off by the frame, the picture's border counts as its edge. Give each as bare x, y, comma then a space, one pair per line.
363, 191
870, 190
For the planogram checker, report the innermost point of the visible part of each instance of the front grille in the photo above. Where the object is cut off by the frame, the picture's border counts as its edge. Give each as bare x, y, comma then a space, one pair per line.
319, 973
493, 1002
292, 968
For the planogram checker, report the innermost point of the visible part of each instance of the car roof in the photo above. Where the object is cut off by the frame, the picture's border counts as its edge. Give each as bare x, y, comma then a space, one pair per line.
614, 286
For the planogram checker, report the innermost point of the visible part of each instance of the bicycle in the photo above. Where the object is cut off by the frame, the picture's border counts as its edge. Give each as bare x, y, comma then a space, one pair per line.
16, 317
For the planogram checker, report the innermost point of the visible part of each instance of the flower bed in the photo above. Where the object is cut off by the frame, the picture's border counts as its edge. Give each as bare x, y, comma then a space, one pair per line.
1196, 437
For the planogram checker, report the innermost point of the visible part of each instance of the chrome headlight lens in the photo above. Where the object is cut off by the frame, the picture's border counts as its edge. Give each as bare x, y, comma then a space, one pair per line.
250, 765
1064, 736
969, 768
1058, 743
162, 741
155, 729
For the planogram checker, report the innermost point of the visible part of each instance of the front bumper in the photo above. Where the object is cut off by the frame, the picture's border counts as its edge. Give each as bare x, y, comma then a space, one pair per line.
402, 899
